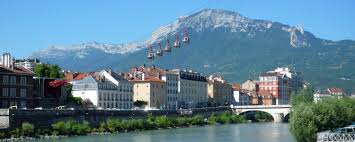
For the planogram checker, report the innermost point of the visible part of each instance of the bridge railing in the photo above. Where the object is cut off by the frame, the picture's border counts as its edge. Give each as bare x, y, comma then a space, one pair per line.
263, 106
335, 137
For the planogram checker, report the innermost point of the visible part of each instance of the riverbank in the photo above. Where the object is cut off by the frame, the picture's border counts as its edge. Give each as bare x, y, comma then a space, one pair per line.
114, 125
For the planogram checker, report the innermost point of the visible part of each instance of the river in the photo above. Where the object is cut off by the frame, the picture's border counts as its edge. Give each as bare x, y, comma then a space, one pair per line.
254, 132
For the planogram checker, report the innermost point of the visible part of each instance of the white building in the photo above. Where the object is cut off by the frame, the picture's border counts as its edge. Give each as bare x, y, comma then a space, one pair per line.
27, 63
329, 92
172, 79
241, 98
192, 89
105, 89
296, 80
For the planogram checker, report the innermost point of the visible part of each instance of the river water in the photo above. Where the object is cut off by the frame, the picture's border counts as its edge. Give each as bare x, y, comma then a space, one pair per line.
255, 132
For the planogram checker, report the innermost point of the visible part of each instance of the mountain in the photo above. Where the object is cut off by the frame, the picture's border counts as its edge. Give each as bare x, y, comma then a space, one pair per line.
222, 42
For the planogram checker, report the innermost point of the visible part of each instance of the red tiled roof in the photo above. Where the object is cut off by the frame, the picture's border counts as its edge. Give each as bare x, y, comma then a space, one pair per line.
335, 90
80, 76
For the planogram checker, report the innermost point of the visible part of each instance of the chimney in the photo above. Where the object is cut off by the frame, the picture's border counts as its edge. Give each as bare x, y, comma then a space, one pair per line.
143, 76
7, 60
109, 71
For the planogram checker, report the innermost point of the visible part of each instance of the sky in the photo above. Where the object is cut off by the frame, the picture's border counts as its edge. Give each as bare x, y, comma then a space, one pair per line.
27, 26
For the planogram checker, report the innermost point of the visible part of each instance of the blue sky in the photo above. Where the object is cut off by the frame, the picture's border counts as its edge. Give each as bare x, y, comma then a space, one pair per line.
30, 25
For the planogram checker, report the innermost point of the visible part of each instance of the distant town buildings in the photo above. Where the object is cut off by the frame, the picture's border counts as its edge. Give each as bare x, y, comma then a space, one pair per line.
329, 92
240, 97
160, 88
105, 89
27, 63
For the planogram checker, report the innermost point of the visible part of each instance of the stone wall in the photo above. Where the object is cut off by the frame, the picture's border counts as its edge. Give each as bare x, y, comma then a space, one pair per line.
45, 118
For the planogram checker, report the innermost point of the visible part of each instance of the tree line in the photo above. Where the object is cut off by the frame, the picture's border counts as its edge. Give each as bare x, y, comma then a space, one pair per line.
308, 117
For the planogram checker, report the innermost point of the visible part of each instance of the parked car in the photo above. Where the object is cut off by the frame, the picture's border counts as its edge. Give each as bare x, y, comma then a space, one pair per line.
61, 107
38, 108
13, 107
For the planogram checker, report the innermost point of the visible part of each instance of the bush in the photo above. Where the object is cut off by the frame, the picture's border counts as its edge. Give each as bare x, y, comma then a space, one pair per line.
181, 122
163, 122
3, 135
15, 133
197, 120
212, 120
27, 129
72, 127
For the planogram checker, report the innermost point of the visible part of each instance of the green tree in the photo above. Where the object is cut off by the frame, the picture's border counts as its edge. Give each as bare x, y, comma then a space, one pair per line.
303, 124
139, 103
41, 70
51, 71
303, 96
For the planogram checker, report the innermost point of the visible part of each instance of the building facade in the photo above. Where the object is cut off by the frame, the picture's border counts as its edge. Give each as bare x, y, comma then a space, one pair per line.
171, 80
241, 98
220, 93
250, 85
47, 95
192, 89
280, 83
152, 91
106, 90
16, 84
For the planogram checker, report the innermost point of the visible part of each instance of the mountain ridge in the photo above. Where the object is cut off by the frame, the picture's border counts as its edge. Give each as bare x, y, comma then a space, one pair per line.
224, 42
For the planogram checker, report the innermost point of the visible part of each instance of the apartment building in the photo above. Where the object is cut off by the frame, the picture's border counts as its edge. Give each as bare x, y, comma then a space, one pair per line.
220, 93
16, 86
151, 90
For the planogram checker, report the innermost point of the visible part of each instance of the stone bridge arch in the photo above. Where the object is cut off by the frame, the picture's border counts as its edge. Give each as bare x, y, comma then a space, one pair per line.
278, 113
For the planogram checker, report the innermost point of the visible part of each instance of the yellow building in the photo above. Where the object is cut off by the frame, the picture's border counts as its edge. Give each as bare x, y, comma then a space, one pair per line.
152, 91
220, 93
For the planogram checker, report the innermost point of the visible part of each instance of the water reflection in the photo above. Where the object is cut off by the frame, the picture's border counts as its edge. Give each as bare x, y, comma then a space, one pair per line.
266, 132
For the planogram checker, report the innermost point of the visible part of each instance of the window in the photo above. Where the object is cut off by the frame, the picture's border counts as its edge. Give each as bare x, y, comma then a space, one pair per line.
23, 80
23, 92
23, 104
13, 80
5, 79
13, 92
5, 92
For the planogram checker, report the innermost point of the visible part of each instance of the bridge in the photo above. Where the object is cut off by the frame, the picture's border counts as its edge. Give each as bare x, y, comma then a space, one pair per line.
278, 112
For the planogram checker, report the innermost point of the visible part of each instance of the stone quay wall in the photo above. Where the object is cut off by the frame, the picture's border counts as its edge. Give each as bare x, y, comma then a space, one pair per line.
13, 118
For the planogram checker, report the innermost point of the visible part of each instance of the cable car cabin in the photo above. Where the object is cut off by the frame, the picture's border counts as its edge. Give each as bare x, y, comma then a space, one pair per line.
167, 48
186, 40
159, 52
150, 56
177, 44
